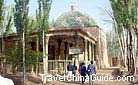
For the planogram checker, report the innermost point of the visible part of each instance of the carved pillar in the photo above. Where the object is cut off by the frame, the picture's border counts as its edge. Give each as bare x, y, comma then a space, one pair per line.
84, 48
85, 51
65, 50
53, 52
88, 55
37, 49
96, 57
90, 52
53, 55
93, 53
59, 47
71, 56
66, 55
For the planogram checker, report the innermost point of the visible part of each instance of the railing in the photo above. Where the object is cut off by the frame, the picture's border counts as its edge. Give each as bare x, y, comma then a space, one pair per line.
58, 66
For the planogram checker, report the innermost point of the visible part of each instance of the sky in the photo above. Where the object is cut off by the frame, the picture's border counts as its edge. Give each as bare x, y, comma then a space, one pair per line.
94, 8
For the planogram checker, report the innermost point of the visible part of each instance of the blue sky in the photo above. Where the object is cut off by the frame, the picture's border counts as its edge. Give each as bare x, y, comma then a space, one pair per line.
94, 8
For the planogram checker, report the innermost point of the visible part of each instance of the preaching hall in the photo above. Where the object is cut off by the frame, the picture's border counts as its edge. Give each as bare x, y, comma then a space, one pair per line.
74, 37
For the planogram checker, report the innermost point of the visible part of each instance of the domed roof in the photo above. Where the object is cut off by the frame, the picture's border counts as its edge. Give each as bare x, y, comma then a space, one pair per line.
74, 18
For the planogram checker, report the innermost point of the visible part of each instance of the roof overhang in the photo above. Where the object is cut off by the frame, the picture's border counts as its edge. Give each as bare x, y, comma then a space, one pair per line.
72, 31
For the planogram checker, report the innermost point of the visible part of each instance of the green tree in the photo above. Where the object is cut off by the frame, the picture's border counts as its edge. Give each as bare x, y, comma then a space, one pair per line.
12, 57
136, 27
2, 13
21, 23
124, 19
1, 9
9, 18
6, 17
1, 28
42, 16
113, 44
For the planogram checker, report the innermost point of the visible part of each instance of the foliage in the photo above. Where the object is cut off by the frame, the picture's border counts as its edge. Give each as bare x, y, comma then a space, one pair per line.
113, 44
42, 14
1, 9
9, 18
6, 22
123, 12
1, 21
13, 57
2, 14
32, 25
125, 23
21, 15
33, 58
42, 17
21, 23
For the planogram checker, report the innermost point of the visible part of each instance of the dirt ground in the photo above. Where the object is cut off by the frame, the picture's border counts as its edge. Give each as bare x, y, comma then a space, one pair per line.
18, 80
33, 80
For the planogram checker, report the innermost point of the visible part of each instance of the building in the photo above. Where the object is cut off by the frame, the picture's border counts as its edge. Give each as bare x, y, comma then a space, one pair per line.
74, 37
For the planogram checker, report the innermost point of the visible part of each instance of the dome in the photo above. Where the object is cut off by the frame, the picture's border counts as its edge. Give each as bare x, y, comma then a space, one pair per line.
73, 18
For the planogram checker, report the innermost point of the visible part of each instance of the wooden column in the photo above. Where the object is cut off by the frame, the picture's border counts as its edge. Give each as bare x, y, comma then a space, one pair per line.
85, 51
53, 55
93, 52
65, 52
71, 56
37, 50
59, 47
88, 55
90, 52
